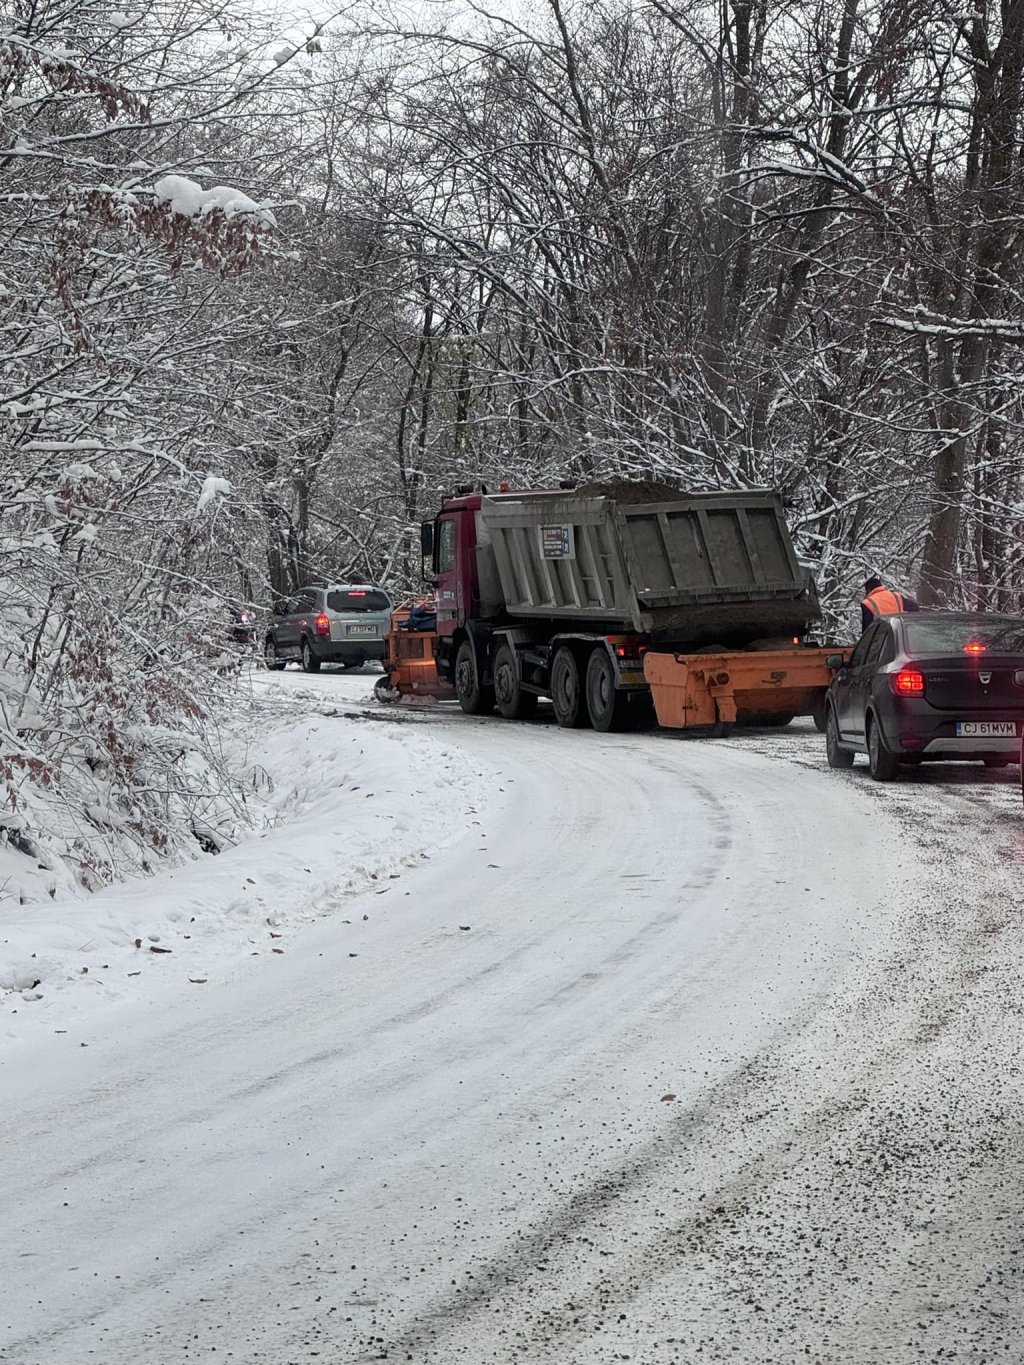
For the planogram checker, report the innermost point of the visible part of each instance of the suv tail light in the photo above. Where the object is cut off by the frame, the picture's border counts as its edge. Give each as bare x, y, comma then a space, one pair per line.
908, 682
323, 624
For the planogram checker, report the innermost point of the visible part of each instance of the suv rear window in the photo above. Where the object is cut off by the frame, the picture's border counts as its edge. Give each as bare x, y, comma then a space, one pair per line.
357, 599
998, 635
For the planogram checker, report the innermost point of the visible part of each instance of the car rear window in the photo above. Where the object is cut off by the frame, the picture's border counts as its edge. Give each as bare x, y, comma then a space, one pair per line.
357, 599
998, 635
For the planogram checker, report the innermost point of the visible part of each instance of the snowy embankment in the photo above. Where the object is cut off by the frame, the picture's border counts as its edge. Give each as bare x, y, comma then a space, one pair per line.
341, 805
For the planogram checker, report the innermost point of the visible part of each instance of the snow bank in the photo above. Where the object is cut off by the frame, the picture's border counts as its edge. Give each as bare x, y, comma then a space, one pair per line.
184, 196
343, 806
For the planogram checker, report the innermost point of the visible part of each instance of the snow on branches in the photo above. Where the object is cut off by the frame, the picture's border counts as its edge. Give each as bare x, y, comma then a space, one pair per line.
121, 309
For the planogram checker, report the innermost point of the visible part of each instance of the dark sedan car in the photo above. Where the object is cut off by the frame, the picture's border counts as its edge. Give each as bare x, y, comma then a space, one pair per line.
929, 685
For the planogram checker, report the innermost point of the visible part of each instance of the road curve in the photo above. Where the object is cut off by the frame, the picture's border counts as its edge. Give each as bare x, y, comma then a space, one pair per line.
664, 1061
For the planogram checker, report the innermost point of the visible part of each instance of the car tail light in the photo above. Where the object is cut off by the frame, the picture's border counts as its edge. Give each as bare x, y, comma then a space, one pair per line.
974, 648
908, 682
323, 624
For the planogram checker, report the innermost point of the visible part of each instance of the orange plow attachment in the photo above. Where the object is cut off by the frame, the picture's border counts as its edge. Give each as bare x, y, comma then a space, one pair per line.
409, 666
762, 687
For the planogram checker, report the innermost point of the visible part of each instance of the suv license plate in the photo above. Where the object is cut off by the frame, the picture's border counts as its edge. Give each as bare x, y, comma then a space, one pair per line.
367, 630
993, 729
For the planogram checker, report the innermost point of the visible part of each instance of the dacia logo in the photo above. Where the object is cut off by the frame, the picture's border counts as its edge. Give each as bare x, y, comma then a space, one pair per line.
986, 678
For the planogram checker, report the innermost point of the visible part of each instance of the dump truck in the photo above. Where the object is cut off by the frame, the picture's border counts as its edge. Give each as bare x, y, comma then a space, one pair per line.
612, 598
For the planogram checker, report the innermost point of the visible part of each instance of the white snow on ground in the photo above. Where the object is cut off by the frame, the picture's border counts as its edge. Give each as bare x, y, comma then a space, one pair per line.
344, 807
677, 1051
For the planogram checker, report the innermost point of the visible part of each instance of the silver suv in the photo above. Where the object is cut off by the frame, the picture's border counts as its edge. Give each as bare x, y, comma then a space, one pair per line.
329, 623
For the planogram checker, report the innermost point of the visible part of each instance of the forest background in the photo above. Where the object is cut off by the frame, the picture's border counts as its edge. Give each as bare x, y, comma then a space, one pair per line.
270, 287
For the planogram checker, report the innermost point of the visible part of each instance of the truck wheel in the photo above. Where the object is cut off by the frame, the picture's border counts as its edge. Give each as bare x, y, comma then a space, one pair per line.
818, 715
606, 705
512, 702
474, 698
566, 695
310, 663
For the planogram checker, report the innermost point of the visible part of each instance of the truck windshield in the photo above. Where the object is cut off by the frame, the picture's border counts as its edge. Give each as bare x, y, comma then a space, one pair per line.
357, 599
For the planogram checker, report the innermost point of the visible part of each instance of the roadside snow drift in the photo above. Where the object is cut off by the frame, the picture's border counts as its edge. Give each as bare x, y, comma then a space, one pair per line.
342, 806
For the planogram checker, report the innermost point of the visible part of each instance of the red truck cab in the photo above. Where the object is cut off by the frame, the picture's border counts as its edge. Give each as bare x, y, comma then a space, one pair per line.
456, 578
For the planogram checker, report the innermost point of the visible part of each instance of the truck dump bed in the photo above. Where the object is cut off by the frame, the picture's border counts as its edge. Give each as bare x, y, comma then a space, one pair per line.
707, 567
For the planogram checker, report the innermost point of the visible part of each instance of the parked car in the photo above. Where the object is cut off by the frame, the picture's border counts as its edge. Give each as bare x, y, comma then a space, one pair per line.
929, 685
329, 623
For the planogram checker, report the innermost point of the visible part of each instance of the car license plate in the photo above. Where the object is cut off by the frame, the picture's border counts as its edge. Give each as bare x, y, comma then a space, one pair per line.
991, 729
362, 630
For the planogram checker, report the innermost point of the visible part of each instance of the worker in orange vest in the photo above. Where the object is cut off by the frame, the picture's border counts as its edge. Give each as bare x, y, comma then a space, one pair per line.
882, 601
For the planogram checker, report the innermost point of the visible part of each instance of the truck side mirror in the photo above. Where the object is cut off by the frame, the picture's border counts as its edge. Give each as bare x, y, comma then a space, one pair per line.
427, 539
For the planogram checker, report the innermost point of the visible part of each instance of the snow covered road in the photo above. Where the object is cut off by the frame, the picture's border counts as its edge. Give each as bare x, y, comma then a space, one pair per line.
681, 1051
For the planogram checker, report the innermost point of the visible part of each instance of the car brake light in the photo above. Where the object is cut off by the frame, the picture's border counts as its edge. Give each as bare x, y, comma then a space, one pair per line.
357, 594
908, 682
323, 624
974, 648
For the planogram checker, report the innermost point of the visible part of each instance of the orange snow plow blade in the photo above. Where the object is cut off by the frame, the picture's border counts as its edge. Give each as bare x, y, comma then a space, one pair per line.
409, 658
766, 687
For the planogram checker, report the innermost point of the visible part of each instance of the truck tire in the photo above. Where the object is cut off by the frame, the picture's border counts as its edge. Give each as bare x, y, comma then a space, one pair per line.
474, 698
606, 705
566, 693
512, 702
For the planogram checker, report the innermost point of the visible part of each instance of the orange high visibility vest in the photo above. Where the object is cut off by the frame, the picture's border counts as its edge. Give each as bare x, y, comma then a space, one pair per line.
882, 602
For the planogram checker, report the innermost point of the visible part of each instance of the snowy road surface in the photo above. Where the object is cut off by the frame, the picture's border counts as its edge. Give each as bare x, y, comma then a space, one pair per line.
680, 1051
